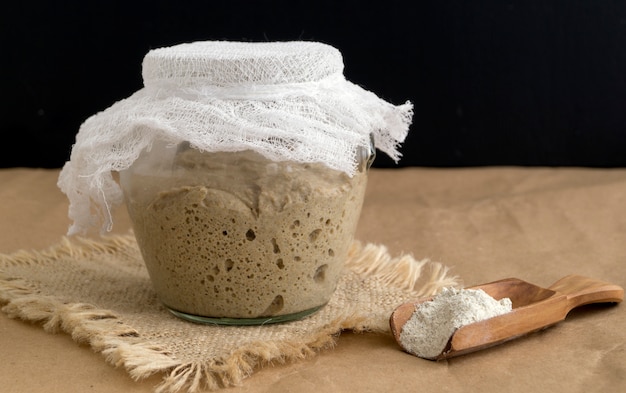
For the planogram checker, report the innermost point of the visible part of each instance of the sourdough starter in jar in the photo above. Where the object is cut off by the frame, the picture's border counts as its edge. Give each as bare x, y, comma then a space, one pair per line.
243, 166
237, 236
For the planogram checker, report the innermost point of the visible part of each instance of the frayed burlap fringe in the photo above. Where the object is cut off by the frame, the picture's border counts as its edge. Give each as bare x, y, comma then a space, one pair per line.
99, 292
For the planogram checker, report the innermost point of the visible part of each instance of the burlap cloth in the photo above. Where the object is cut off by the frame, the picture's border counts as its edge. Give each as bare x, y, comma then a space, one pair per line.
99, 292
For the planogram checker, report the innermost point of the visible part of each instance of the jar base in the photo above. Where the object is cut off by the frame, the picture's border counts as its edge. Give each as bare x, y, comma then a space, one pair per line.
244, 321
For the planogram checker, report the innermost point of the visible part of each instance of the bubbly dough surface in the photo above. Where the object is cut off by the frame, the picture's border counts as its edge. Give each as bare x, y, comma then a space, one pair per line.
236, 235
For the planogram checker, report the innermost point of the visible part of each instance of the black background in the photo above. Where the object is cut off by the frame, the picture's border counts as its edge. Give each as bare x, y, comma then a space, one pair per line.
493, 82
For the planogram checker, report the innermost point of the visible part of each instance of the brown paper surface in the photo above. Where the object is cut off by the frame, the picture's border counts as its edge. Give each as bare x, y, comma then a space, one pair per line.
537, 224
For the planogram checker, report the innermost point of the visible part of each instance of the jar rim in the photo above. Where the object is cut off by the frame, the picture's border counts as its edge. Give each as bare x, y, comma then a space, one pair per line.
231, 63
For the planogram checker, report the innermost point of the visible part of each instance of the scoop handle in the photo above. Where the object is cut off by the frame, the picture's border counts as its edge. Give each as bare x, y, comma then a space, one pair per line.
581, 290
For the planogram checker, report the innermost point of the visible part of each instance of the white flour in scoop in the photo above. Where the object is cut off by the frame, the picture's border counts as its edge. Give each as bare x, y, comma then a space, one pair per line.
429, 329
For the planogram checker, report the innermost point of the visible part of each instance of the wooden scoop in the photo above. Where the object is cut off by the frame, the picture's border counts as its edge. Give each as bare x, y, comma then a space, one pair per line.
534, 308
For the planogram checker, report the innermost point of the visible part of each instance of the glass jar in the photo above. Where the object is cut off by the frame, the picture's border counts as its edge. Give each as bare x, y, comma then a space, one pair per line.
236, 238
243, 167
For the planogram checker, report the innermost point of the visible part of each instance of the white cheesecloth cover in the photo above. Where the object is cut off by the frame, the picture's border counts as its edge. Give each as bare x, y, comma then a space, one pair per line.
284, 100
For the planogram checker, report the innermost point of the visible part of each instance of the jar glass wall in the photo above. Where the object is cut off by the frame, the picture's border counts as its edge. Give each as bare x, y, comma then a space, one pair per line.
236, 238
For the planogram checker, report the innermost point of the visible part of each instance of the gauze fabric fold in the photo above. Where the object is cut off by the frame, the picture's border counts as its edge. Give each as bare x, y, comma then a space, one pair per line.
324, 120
